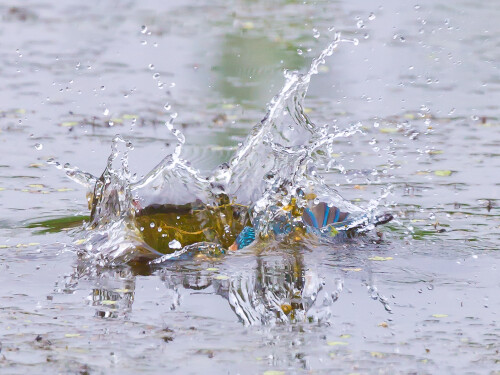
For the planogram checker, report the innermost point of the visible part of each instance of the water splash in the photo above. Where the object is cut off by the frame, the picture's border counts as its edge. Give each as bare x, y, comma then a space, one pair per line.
271, 178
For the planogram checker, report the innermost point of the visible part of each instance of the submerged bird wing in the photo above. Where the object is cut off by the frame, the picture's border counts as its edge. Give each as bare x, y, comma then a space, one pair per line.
322, 215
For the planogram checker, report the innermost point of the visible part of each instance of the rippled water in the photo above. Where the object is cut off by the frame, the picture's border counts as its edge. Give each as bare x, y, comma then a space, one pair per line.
423, 84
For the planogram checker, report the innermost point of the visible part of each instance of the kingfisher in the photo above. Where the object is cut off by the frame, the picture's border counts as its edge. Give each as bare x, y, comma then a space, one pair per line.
225, 225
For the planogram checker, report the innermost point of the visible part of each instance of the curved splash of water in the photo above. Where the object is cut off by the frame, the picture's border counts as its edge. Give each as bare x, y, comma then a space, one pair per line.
272, 169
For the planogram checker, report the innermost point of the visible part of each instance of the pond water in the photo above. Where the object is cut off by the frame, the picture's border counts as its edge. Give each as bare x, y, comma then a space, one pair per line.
423, 83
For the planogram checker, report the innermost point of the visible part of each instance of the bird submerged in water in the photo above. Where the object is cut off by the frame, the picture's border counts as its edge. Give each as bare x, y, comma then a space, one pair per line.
167, 228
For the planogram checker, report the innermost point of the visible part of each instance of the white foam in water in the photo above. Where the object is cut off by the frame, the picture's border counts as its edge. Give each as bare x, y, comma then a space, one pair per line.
274, 164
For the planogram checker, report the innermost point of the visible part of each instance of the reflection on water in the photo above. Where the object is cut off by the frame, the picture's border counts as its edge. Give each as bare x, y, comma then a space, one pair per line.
113, 295
278, 287
272, 289
268, 287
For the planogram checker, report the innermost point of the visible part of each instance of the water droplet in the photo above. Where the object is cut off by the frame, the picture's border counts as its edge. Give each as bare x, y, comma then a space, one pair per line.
151, 66
316, 33
144, 29
152, 225
355, 41
106, 112
103, 88
371, 17
38, 146
156, 75
416, 7
143, 42
167, 107
360, 24
424, 108
299, 51
174, 244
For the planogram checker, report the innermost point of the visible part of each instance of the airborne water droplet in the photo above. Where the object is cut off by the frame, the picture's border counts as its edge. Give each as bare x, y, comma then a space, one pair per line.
38, 146
167, 107
371, 17
144, 29
316, 33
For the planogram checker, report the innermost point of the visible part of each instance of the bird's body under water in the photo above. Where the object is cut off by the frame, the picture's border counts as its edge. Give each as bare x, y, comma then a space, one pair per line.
168, 228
